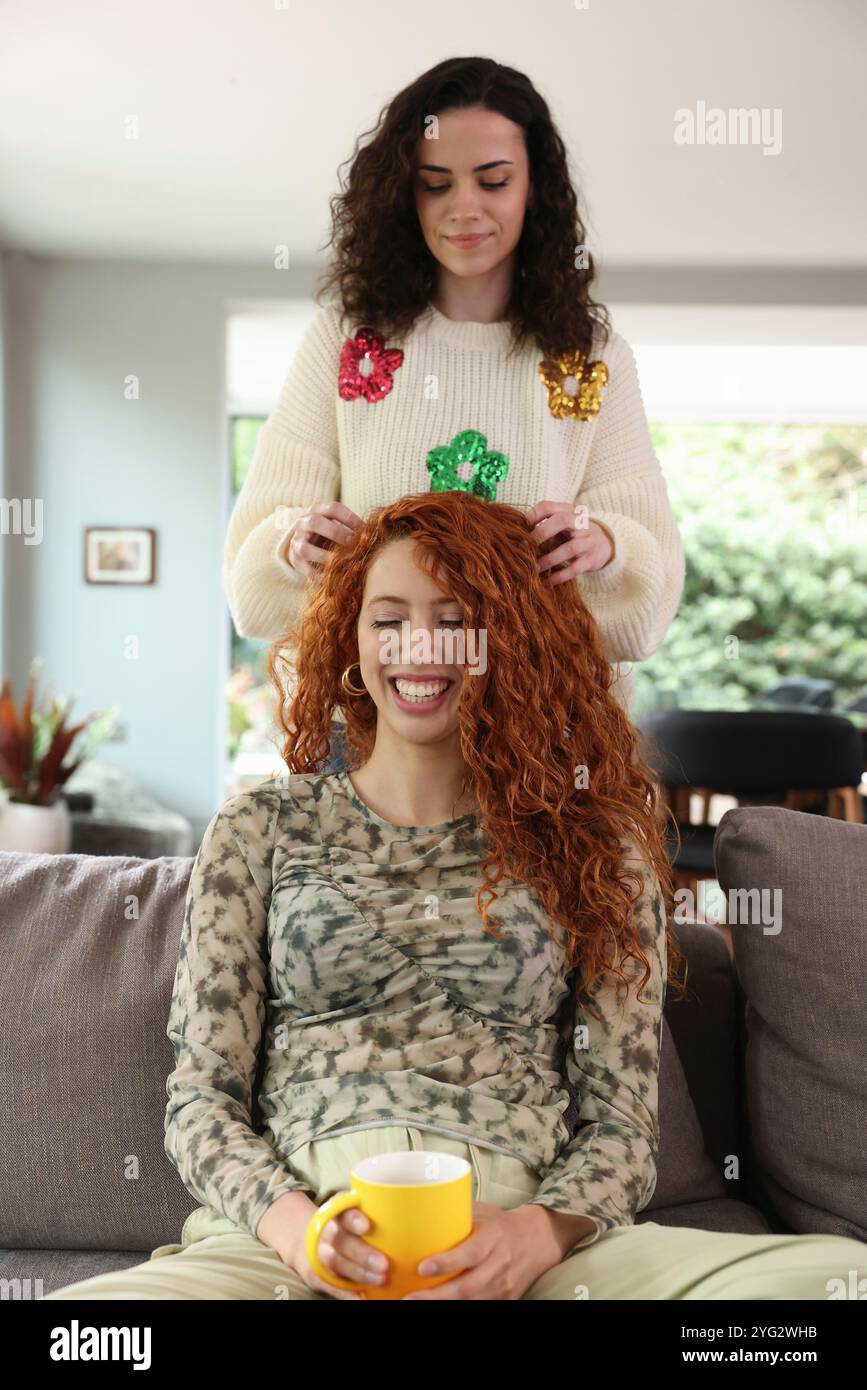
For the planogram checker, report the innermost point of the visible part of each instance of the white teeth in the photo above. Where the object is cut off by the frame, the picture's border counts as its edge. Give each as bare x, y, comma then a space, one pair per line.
413, 690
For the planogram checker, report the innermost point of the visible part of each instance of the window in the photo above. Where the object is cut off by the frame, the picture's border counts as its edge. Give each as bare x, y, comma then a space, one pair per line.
261, 339
764, 448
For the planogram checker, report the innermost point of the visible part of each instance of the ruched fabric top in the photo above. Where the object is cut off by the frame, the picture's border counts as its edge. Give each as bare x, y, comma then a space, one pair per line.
344, 958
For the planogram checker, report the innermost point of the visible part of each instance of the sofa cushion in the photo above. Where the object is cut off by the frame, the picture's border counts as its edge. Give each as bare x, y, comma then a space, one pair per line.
805, 1018
703, 1022
723, 1214
88, 953
704, 1026
684, 1172
33, 1274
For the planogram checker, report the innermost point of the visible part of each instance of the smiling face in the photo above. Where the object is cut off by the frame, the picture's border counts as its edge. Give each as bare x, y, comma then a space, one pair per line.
416, 695
473, 181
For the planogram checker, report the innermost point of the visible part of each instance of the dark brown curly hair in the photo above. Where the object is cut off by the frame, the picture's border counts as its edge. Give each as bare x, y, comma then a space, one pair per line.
382, 270
542, 707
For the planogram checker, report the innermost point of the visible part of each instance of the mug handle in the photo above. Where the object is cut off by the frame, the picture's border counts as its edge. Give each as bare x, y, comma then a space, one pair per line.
341, 1201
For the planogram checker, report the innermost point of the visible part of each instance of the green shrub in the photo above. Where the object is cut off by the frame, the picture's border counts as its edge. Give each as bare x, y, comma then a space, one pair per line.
774, 526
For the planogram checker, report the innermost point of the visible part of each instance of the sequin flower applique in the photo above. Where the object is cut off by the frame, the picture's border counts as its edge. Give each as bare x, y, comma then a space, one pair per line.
574, 385
367, 367
469, 447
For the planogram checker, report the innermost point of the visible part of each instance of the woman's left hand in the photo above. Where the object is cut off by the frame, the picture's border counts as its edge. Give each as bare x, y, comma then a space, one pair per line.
500, 1259
586, 546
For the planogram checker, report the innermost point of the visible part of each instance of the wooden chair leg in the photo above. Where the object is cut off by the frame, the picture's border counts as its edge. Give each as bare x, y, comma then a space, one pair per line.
848, 799
684, 878
667, 799
841, 803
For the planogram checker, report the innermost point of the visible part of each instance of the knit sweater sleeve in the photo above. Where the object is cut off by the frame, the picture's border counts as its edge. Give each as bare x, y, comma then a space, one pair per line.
295, 463
216, 1020
608, 1170
636, 595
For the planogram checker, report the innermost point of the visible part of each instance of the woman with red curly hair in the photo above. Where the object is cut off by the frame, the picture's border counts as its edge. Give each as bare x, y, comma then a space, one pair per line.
460, 348
379, 959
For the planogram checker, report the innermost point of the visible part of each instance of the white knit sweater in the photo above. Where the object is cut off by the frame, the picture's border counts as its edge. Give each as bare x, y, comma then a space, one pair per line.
316, 446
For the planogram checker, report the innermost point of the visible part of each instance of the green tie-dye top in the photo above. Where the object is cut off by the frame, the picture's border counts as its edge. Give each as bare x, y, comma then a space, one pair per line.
345, 956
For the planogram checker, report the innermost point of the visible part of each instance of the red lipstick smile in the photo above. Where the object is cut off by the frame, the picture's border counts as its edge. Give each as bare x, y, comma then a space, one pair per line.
466, 243
419, 706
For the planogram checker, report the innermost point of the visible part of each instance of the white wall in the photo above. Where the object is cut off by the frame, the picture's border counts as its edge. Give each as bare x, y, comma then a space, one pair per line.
4, 548
74, 331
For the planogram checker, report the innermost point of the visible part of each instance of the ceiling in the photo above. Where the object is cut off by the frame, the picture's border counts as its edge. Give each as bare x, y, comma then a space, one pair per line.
245, 111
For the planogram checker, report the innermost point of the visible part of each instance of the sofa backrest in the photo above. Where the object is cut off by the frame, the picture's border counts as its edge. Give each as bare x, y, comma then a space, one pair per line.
89, 949
796, 890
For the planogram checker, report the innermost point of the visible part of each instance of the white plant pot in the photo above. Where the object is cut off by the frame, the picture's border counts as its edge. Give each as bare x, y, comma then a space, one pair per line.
35, 829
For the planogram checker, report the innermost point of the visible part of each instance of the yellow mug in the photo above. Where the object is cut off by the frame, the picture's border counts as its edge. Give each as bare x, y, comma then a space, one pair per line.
418, 1202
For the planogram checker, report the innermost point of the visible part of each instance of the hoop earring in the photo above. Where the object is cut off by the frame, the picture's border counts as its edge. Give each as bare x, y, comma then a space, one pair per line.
350, 689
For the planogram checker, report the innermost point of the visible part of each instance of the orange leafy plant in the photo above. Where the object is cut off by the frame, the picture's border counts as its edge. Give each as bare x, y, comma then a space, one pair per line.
34, 744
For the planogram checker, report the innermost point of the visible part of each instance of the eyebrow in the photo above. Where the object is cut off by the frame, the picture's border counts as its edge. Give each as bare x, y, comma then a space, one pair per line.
477, 169
395, 598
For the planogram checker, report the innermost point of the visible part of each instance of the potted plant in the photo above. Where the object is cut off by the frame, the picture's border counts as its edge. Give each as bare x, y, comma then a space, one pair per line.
34, 744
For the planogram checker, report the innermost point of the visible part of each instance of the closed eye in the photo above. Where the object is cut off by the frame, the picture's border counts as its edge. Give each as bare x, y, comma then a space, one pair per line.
443, 622
441, 187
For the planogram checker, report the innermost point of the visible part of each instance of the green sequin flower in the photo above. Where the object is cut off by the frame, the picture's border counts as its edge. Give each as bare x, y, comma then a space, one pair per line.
489, 467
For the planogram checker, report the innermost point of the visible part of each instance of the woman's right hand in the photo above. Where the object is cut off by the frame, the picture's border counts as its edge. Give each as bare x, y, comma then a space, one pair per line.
342, 1251
316, 531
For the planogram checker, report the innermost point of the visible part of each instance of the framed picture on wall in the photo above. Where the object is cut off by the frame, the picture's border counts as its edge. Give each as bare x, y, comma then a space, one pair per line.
120, 554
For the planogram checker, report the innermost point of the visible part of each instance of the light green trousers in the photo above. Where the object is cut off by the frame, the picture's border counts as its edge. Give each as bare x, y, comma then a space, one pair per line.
217, 1259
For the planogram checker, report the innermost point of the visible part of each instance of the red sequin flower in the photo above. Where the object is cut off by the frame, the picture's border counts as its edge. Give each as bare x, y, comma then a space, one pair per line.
367, 367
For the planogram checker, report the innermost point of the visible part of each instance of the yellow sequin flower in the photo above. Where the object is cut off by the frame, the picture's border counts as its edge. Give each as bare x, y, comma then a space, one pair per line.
574, 385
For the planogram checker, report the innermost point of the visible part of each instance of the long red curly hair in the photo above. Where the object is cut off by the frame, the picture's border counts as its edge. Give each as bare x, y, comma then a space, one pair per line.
542, 708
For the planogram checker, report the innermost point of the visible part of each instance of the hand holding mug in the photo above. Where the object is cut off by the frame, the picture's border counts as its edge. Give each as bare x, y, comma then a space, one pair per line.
316, 531
416, 1203
343, 1254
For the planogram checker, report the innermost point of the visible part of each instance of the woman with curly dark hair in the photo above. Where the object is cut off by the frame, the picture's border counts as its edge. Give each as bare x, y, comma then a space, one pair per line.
461, 349
340, 968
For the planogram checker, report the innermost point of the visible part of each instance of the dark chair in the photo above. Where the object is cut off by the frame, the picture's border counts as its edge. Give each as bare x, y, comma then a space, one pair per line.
800, 690
784, 756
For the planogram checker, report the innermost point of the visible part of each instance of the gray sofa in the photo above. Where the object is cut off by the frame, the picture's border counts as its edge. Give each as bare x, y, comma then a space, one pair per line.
763, 1085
